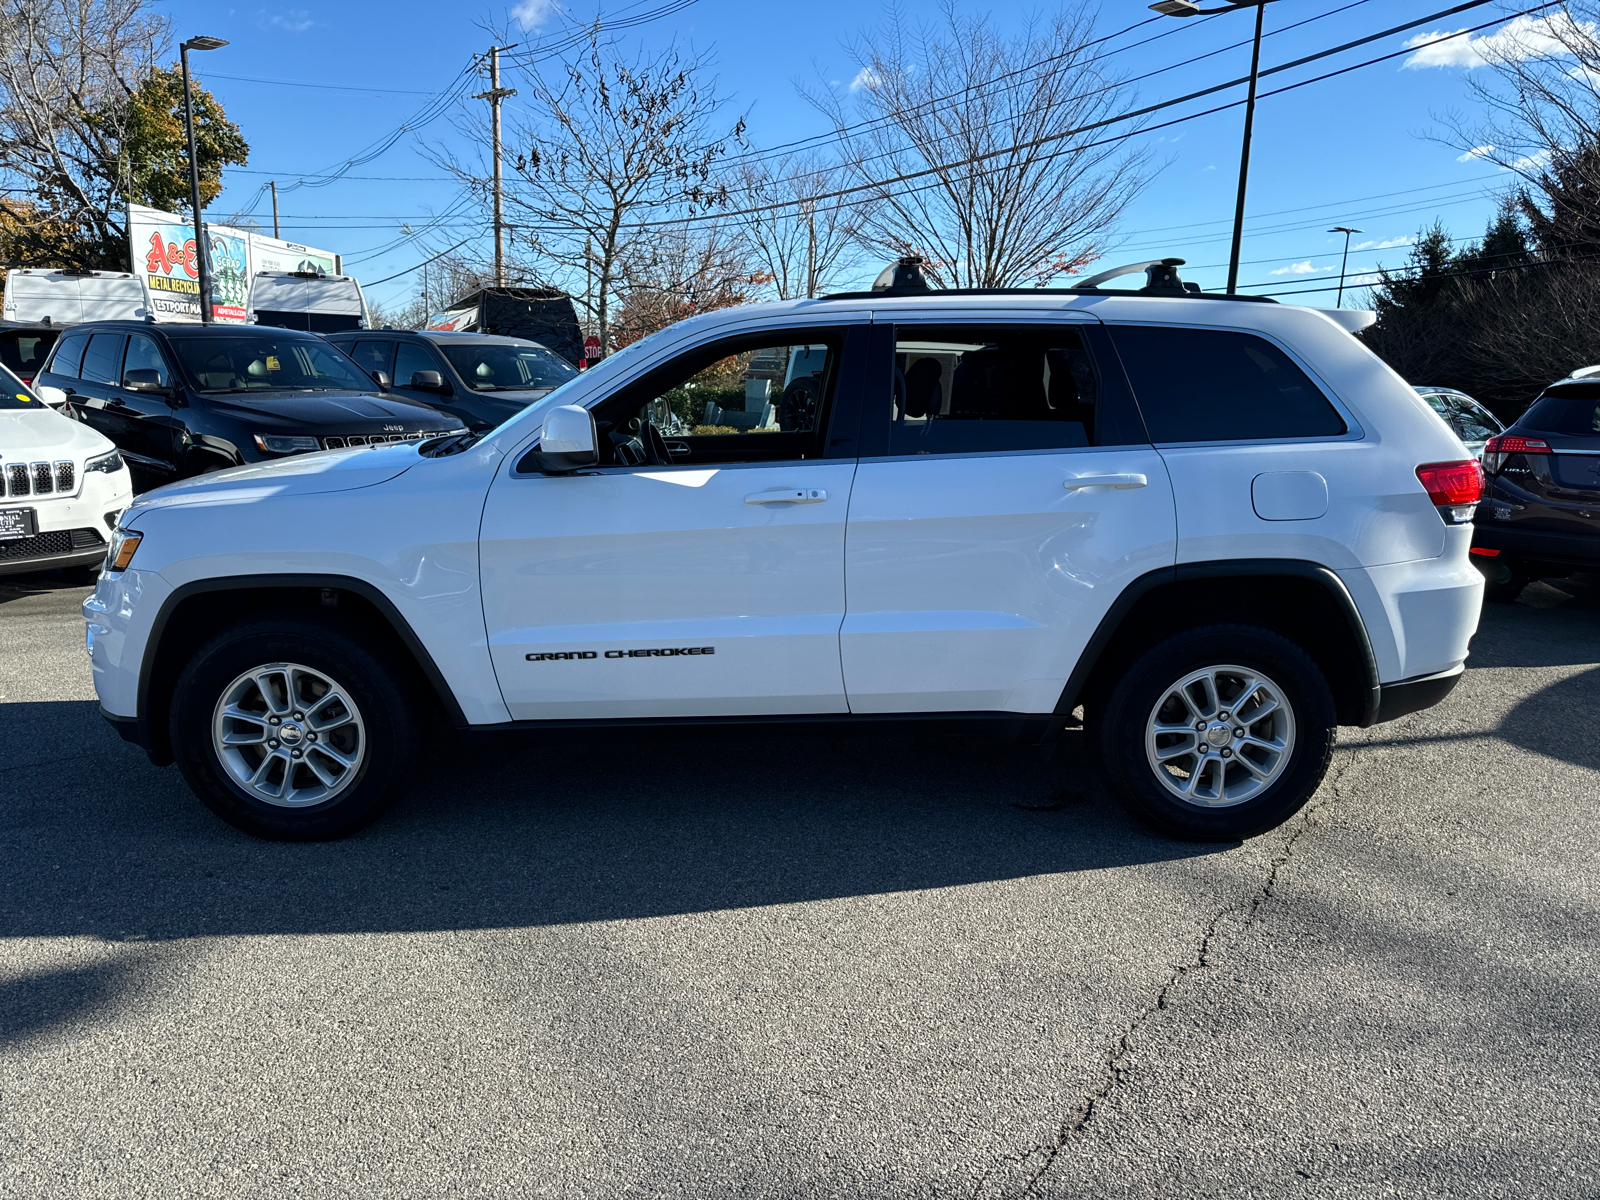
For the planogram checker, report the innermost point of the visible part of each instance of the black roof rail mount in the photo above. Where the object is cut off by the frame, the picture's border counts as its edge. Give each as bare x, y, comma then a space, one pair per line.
904, 277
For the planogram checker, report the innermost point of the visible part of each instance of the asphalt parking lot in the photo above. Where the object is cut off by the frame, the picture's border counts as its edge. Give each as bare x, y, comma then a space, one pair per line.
809, 968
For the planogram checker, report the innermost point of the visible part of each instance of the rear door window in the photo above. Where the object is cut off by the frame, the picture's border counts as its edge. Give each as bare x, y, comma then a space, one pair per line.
102, 361
1217, 385
984, 389
69, 353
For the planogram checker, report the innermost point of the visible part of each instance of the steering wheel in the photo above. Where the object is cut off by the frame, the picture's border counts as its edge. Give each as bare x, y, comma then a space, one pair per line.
797, 407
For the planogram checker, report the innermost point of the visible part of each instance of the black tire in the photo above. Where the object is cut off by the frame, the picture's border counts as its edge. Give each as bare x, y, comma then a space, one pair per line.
1125, 718
1504, 578
383, 699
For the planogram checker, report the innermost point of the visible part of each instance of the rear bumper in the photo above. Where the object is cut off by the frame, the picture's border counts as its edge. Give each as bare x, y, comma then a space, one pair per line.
1413, 695
1576, 549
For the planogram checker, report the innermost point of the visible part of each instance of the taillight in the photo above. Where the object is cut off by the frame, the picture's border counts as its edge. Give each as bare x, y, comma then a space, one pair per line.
1510, 443
1496, 449
1454, 487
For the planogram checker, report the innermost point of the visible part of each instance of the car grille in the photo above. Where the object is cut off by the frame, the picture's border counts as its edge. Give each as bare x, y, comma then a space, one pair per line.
372, 439
38, 479
57, 541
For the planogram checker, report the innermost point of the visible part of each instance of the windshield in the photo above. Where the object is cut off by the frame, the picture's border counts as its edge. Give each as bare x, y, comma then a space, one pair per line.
500, 368
1574, 411
16, 394
264, 363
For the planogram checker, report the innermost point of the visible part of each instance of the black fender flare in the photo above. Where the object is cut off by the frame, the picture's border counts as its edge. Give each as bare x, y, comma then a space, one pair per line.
1234, 568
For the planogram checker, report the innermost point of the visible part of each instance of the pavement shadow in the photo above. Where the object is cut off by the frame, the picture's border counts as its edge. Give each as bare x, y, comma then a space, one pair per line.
1558, 721
38, 1003
98, 842
38, 583
1555, 623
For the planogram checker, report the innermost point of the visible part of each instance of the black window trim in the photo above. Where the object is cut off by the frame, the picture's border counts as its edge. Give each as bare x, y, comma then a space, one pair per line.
1354, 431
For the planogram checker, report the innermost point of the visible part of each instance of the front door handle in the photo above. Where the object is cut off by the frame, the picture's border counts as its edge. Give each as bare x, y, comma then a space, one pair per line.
788, 496
1121, 482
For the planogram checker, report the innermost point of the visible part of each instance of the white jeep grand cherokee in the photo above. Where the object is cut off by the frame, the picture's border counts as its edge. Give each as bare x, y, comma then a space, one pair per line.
61, 487
1220, 527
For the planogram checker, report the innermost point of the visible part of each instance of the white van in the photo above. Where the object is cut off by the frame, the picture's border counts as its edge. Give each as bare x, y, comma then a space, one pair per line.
48, 296
307, 300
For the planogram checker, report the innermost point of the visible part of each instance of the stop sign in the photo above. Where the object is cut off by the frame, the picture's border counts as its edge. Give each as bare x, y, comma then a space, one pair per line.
591, 347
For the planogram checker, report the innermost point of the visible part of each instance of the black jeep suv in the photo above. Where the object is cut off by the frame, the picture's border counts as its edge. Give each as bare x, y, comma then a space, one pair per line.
1540, 517
179, 400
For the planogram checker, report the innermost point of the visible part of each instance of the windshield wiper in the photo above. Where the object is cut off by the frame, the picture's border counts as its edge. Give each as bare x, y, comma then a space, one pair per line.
453, 443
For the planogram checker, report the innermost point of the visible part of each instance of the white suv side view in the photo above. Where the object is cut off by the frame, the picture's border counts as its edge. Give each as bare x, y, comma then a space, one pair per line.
1220, 528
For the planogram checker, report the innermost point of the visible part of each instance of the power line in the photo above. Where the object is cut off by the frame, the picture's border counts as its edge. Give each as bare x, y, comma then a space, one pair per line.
974, 160
332, 87
418, 266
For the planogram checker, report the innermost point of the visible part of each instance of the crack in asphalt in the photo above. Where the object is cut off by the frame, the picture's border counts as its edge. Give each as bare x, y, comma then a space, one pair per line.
1114, 1066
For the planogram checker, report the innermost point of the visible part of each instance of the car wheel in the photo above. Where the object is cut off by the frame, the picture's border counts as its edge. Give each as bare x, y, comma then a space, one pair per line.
1504, 578
293, 730
1218, 733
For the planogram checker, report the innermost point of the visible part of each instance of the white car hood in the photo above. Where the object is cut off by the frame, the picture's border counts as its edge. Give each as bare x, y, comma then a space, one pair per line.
39, 433
298, 475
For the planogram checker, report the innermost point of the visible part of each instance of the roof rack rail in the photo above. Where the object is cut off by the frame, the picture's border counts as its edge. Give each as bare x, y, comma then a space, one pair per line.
904, 277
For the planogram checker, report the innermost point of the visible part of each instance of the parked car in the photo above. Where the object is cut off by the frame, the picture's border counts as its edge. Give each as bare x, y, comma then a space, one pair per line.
481, 379
48, 296
1541, 516
182, 400
23, 348
1220, 527
1470, 421
307, 300
542, 315
62, 486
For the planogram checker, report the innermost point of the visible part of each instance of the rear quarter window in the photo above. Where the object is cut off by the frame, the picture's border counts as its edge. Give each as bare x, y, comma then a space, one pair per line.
1215, 385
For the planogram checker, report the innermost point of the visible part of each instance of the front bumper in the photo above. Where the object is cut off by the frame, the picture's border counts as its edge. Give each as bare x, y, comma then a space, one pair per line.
1543, 545
70, 531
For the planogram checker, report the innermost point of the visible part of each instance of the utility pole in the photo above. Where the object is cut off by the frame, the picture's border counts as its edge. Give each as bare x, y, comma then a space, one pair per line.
494, 95
274, 186
1244, 157
811, 256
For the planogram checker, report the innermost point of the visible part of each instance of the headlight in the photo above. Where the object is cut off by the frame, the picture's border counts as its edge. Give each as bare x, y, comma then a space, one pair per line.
271, 443
124, 543
109, 463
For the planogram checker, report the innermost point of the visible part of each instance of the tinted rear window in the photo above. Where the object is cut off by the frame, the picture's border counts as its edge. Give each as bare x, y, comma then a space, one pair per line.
1571, 411
1213, 385
69, 353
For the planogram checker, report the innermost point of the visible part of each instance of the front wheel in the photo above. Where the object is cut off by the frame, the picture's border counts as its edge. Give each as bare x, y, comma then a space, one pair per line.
1218, 733
293, 730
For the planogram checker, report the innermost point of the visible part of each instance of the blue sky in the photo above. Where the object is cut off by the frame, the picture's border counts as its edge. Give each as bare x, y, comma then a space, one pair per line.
313, 84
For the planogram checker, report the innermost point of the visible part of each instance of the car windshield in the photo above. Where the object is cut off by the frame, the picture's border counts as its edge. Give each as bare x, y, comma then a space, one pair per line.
15, 394
1574, 411
262, 363
491, 367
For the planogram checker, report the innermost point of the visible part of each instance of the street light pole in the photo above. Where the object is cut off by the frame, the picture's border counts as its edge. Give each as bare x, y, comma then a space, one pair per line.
1345, 263
201, 265
1187, 8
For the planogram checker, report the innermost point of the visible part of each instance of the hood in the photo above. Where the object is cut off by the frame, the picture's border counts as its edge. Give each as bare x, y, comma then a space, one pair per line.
337, 412
42, 433
297, 475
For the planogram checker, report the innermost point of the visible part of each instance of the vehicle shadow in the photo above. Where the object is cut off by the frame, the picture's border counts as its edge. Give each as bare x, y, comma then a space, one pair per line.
1555, 623
38, 583
1558, 721
100, 843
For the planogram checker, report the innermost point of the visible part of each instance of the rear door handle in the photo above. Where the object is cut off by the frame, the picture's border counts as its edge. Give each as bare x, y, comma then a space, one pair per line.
1121, 482
788, 496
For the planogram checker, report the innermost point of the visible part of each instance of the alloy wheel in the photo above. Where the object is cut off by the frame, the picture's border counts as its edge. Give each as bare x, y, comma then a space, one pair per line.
1220, 736
289, 735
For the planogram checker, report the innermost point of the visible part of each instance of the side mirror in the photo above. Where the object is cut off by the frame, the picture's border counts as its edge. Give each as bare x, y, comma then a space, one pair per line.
381, 378
145, 379
430, 381
568, 441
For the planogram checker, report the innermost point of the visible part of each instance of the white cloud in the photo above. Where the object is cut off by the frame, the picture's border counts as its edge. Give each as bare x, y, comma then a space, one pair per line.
865, 78
1387, 244
1301, 268
531, 14
1522, 38
1532, 162
293, 20
1475, 152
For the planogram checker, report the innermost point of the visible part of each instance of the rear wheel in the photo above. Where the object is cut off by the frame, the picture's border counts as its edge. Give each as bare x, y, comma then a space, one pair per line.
1218, 733
293, 730
1504, 578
